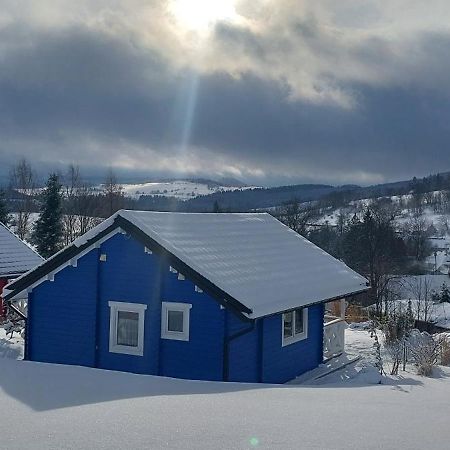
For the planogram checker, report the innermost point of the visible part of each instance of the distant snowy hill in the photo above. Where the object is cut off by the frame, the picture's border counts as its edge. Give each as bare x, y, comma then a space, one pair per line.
179, 189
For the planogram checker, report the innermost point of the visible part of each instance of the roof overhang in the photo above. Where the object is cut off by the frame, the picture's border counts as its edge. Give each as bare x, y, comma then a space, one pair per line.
20, 287
68, 256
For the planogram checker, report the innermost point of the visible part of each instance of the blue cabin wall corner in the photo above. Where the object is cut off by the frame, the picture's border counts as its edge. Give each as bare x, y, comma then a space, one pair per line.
281, 364
62, 315
69, 319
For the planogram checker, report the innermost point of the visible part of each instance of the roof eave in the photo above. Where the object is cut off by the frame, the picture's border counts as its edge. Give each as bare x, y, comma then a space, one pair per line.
23, 283
316, 302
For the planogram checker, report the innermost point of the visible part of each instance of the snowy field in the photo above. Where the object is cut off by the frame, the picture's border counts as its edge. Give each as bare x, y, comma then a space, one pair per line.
180, 189
62, 407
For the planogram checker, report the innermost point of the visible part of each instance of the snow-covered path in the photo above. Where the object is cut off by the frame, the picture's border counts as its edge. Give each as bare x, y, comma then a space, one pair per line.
63, 407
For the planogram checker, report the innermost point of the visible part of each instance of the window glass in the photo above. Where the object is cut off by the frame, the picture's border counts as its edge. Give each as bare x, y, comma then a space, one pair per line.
298, 321
175, 321
127, 328
288, 319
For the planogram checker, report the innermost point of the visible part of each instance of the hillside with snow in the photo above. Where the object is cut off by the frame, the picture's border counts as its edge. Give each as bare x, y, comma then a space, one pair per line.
180, 189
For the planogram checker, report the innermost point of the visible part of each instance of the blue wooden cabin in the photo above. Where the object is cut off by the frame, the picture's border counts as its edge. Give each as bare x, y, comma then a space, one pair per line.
234, 297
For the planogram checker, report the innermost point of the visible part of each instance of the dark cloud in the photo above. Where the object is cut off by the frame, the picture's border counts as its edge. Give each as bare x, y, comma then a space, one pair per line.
81, 94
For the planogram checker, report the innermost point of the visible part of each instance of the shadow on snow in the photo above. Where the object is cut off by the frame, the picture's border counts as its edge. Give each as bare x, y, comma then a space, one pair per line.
43, 386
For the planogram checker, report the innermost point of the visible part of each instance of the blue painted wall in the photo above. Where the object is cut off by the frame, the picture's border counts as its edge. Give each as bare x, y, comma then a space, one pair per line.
281, 364
243, 350
62, 316
129, 275
201, 357
69, 315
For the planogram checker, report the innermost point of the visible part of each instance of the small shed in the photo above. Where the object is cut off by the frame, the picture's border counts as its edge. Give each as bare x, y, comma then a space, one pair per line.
16, 258
234, 297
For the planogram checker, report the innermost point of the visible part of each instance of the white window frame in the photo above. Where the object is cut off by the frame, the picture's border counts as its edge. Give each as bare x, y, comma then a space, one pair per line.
176, 335
115, 307
295, 337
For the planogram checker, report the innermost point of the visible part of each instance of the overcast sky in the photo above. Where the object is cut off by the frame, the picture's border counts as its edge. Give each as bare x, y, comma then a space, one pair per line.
270, 91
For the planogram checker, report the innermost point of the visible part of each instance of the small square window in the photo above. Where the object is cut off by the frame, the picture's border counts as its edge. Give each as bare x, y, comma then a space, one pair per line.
175, 321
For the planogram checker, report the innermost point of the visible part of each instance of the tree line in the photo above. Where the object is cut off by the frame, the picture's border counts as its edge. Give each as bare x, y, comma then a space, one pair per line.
67, 207
370, 241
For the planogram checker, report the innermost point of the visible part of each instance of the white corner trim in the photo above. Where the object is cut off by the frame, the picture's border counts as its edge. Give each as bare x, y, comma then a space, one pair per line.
115, 307
175, 335
181, 277
297, 337
148, 251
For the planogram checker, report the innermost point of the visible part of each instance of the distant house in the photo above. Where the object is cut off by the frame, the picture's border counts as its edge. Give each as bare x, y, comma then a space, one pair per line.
16, 258
236, 297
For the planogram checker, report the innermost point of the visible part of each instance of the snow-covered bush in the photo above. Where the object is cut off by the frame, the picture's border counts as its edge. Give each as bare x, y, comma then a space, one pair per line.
12, 327
445, 351
425, 351
396, 329
376, 348
14, 323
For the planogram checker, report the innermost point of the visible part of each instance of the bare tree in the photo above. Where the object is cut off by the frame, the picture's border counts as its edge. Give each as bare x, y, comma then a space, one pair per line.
421, 291
425, 350
416, 203
22, 181
70, 192
443, 225
87, 210
415, 230
296, 216
113, 192
429, 198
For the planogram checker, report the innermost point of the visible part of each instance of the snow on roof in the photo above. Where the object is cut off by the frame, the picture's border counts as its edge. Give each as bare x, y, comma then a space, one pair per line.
253, 257
16, 257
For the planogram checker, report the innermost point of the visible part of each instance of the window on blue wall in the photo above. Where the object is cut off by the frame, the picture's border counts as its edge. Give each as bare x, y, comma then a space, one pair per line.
126, 328
175, 321
295, 326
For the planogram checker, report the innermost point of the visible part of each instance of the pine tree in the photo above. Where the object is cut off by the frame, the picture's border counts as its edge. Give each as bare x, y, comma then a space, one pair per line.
445, 294
4, 213
410, 322
48, 231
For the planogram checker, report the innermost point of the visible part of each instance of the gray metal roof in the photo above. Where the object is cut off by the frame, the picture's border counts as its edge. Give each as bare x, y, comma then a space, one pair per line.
16, 257
253, 257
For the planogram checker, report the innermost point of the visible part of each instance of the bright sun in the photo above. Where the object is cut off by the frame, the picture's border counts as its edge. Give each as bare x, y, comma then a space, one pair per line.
200, 15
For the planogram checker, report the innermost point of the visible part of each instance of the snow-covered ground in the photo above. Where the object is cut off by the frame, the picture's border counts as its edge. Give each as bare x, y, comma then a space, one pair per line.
183, 190
48, 406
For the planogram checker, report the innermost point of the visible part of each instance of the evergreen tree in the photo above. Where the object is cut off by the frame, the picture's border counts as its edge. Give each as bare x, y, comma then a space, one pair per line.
445, 294
410, 322
4, 213
48, 231
371, 247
